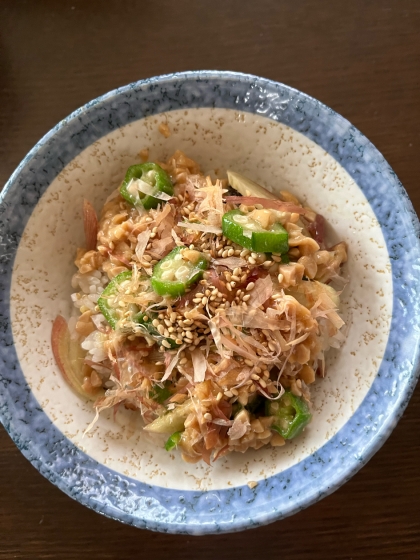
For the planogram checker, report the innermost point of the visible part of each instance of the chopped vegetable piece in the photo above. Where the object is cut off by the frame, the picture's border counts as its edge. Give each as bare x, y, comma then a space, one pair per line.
243, 230
173, 441
111, 315
177, 271
160, 394
247, 187
153, 175
291, 415
150, 329
172, 421
108, 311
69, 358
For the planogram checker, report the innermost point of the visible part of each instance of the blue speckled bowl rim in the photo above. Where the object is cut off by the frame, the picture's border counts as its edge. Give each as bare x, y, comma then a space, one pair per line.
193, 512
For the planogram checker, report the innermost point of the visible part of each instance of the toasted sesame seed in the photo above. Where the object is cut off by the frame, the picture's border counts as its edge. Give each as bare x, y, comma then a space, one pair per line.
255, 377
251, 260
228, 394
147, 258
231, 252
249, 363
280, 278
173, 317
263, 383
208, 417
275, 258
232, 284
204, 300
244, 253
152, 235
189, 334
167, 322
257, 369
236, 278
234, 392
250, 286
267, 264
178, 341
246, 298
161, 329
229, 287
183, 361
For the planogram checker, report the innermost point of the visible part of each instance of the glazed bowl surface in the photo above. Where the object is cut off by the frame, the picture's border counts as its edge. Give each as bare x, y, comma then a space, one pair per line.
279, 137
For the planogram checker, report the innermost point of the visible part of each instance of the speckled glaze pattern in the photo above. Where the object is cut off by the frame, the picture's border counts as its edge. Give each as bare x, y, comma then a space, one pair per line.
189, 511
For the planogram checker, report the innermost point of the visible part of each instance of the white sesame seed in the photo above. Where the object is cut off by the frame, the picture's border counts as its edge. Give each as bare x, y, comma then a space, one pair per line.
229, 287
166, 344
161, 329
280, 278
208, 417
246, 298
155, 323
249, 363
251, 260
250, 286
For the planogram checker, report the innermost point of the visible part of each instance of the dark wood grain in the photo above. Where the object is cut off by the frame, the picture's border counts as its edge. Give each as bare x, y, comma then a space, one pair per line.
362, 59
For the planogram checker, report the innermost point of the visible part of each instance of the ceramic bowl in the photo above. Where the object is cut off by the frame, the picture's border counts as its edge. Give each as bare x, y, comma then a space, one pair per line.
279, 137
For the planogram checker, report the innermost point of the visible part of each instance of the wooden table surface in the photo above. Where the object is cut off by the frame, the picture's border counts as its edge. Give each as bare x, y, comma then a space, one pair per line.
360, 58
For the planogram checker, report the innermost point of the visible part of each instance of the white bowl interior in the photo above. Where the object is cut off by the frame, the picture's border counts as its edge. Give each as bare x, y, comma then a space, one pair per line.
270, 153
